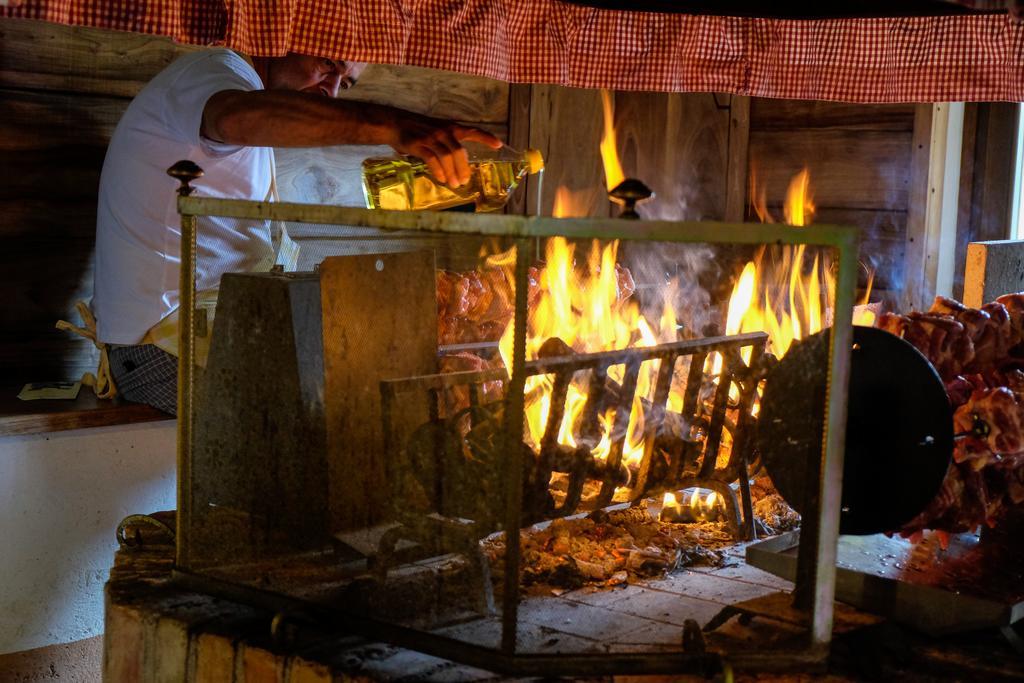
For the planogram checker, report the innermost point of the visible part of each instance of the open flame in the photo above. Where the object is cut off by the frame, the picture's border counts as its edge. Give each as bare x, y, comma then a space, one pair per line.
578, 301
613, 174
583, 307
698, 507
786, 292
799, 209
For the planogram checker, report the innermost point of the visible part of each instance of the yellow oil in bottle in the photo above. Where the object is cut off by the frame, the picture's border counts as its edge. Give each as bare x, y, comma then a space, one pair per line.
405, 183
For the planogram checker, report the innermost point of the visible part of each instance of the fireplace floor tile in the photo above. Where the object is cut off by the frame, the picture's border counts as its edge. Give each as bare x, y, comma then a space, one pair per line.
656, 636
744, 572
711, 587
579, 619
598, 597
664, 607
409, 665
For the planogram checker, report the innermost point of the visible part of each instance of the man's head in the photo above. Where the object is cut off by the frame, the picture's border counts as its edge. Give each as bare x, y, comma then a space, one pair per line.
306, 73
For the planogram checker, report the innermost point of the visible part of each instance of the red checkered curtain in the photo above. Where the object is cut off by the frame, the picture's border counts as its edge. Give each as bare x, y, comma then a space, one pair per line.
198, 22
909, 59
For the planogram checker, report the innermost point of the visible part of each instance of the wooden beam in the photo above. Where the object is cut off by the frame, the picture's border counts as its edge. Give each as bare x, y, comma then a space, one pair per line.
944, 193
988, 172
86, 411
737, 164
520, 96
443, 94
967, 180
52, 56
565, 125
85, 85
932, 209
993, 197
33, 121
911, 296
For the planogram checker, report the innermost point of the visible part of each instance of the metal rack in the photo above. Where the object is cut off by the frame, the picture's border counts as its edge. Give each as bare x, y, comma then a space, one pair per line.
818, 541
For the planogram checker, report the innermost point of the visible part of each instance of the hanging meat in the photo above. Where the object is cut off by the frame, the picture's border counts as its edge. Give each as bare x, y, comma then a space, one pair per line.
979, 355
477, 305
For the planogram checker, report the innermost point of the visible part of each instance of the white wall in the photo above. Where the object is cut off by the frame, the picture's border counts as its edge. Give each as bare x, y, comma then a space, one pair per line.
61, 498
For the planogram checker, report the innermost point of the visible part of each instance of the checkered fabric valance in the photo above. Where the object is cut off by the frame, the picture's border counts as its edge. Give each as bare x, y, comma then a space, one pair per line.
967, 57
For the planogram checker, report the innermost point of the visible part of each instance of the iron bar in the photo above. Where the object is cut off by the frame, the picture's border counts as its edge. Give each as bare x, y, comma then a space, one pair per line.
652, 422
620, 430
582, 361
831, 485
514, 416
456, 223
549, 442
714, 437
590, 426
185, 172
565, 367
558, 392
739, 459
819, 551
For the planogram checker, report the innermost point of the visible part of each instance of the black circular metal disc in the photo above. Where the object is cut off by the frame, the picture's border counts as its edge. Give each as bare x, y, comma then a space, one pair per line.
899, 430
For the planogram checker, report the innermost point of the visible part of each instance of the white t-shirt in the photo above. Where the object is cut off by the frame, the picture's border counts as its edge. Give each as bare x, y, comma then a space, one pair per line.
138, 229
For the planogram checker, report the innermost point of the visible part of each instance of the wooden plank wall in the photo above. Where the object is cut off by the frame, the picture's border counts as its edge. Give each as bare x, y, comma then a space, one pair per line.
868, 164
859, 159
62, 91
699, 151
683, 146
678, 144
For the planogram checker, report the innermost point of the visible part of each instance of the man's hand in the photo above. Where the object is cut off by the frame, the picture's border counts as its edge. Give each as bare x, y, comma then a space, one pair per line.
439, 144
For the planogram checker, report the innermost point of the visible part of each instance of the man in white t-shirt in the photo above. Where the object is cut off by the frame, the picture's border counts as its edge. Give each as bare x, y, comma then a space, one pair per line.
225, 113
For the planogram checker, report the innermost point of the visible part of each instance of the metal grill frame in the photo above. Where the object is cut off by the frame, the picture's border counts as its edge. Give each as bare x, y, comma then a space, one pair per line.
816, 582
566, 368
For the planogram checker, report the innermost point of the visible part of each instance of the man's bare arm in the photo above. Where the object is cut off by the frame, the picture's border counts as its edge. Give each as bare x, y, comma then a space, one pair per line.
274, 118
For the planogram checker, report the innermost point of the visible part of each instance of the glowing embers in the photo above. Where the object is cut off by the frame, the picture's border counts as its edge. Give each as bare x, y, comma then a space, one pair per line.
691, 505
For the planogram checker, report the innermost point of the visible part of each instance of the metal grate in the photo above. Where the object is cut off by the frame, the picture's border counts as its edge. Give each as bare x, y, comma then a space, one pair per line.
684, 455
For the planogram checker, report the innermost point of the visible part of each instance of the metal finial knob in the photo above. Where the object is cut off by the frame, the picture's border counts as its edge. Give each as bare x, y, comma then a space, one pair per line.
185, 171
628, 193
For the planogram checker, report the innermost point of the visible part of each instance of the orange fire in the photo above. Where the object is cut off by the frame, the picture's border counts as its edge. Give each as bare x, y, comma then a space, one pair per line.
613, 174
582, 307
786, 292
580, 304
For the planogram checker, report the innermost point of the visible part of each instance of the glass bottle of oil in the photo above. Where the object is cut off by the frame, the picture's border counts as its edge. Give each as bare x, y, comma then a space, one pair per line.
404, 182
